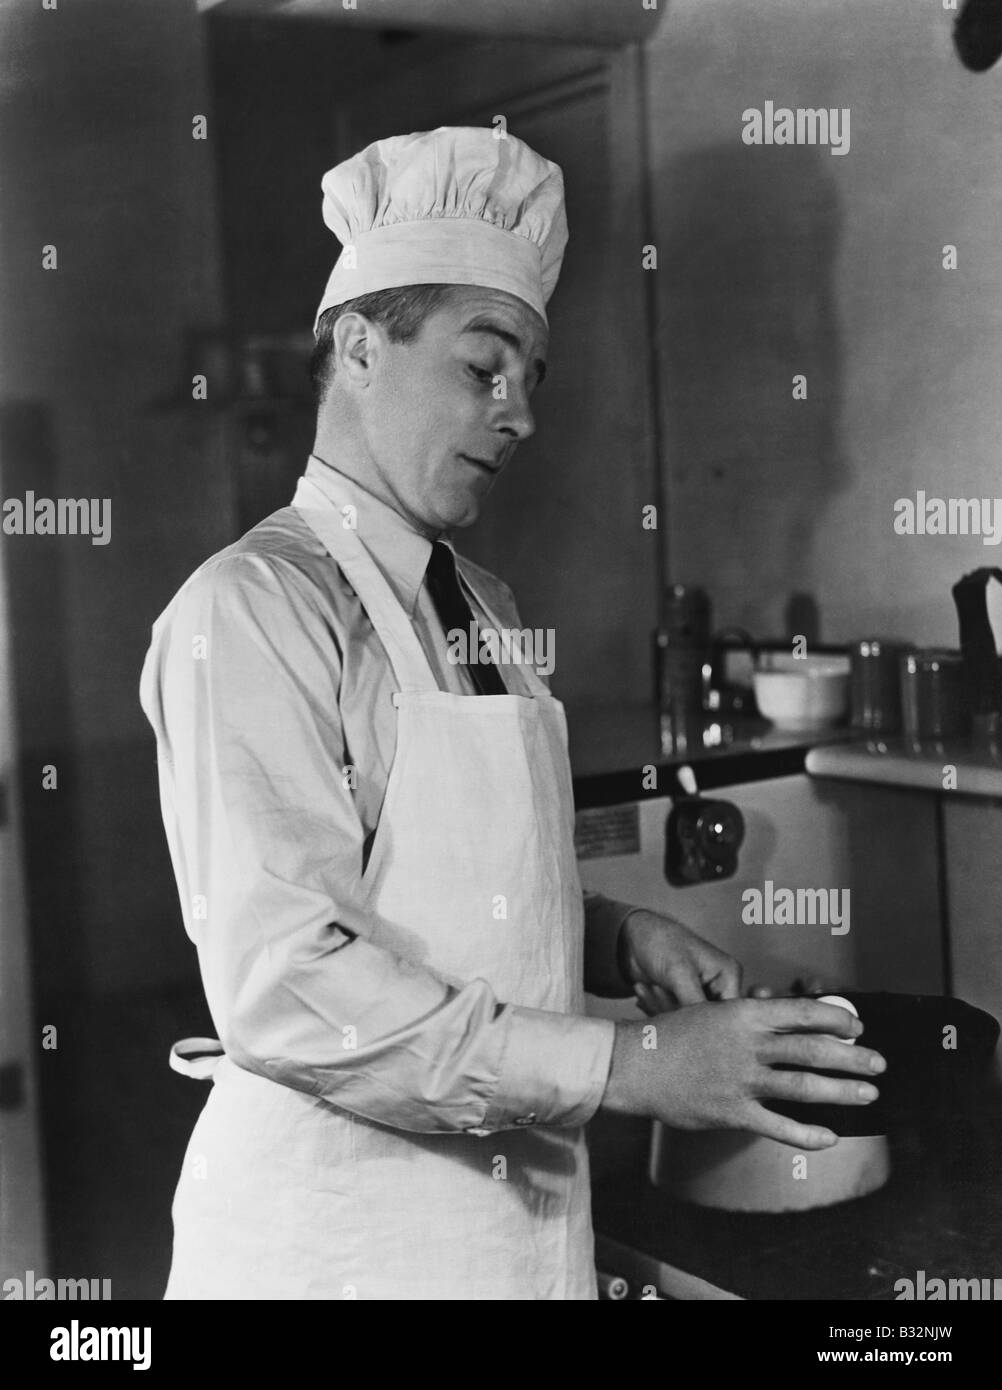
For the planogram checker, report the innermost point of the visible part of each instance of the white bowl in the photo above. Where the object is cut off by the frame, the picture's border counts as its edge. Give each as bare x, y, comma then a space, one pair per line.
802, 693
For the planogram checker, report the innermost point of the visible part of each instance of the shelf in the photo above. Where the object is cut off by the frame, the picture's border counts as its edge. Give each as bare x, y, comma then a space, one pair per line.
899, 763
612, 746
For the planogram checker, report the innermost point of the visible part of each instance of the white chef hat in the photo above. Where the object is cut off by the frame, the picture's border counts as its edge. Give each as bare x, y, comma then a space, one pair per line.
455, 206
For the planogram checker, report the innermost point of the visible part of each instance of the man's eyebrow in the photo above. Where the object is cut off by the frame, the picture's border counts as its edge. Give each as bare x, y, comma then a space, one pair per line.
506, 336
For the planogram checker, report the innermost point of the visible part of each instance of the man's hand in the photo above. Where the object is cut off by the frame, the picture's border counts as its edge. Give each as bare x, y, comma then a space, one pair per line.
712, 1066
668, 965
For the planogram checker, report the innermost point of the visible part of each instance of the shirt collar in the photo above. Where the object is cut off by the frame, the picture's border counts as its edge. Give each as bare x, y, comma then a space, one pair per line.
401, 553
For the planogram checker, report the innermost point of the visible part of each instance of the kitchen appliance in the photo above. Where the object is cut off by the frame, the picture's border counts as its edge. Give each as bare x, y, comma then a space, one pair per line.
880, 844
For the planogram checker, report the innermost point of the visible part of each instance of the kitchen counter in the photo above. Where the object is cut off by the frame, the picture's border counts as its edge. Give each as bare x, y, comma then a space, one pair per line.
903, 763
941, 1213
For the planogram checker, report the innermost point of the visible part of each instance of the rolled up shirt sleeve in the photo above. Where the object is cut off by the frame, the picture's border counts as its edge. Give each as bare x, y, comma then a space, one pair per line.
241, 686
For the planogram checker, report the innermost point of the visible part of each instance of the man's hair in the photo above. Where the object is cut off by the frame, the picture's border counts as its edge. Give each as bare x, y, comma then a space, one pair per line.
401, 312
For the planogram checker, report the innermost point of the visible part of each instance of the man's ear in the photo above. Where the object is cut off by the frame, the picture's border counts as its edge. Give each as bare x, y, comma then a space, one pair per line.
358, 345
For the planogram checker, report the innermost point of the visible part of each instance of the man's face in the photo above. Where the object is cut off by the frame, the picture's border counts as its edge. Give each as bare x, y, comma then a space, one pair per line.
443, 414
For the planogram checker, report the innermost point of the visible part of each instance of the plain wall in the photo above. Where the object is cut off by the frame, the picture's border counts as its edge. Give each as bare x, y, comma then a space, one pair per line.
777, 260
96, 110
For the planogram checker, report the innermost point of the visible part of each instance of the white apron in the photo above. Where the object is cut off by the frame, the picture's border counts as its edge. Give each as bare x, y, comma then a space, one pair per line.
286, 1196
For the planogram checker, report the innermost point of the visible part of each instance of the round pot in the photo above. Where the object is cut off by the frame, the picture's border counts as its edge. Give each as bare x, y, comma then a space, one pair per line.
745, 1172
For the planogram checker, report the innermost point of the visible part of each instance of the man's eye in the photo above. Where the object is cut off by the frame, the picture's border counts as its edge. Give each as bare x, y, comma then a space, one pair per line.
483, 374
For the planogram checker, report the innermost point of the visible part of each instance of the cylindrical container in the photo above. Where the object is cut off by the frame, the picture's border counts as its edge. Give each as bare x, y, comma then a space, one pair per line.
875, 685
682, 649
932, 694
986, 734
747, 1172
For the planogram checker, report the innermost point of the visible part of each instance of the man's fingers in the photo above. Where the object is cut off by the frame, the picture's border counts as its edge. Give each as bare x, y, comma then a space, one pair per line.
808, 1015
806, 1086
726, 984
819, 1054
686, 985
645, 998
798, 1136
663, 999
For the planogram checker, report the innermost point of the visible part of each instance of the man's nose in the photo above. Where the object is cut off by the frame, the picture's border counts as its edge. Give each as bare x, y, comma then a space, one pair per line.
515, 417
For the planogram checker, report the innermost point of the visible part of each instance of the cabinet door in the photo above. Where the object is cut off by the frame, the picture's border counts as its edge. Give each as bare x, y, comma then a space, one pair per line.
971, 831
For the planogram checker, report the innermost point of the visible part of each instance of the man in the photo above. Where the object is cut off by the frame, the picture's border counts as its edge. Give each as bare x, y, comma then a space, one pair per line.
374, 844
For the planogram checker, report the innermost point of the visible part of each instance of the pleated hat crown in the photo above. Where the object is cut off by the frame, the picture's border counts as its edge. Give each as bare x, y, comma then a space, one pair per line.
460, 205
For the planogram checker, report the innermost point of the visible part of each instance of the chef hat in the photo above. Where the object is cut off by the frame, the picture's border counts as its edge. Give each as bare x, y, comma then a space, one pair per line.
454, 206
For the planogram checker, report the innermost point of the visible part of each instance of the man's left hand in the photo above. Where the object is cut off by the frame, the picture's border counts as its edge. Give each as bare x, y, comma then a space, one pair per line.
669, 966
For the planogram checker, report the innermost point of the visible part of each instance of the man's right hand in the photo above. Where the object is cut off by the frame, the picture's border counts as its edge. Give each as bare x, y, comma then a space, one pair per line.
713, 1065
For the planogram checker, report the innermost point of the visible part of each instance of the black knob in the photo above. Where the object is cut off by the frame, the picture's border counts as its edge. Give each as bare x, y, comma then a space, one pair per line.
702, 840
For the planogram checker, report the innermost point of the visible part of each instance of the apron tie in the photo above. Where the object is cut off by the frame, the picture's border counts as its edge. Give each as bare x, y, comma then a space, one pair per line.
196, 1057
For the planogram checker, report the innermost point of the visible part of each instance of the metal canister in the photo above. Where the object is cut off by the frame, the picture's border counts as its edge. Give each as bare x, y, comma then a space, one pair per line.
682, 651
932, 694
876, 685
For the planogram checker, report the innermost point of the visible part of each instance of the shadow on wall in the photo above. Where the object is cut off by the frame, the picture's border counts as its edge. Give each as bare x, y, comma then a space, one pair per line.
747, 304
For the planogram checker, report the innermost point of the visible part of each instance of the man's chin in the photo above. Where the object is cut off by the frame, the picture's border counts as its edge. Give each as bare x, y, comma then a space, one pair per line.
463, 511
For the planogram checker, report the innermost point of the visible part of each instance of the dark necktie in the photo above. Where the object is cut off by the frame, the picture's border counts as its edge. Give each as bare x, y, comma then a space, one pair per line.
454, 612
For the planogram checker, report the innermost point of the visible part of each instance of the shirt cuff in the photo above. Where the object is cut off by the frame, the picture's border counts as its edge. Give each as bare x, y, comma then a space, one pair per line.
554, 1069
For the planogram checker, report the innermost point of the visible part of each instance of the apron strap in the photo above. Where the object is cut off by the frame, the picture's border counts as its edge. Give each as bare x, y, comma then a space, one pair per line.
391, 623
